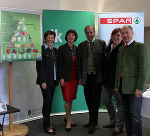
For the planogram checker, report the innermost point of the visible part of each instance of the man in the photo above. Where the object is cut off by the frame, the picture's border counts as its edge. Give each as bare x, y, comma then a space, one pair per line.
131, 77
91, 53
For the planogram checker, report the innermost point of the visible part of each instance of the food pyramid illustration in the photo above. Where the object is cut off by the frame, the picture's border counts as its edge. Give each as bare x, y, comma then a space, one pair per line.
21, 45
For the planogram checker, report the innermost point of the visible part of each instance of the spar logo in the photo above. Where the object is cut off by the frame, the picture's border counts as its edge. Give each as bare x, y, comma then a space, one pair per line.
119, 20
137, 20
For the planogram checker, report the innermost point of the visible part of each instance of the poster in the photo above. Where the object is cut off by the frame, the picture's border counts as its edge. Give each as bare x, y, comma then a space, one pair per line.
60, 21
20, 36
109, 21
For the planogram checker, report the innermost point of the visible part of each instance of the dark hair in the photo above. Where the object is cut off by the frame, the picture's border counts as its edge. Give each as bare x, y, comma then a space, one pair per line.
116, 30
49, 33
89, 26
73, 32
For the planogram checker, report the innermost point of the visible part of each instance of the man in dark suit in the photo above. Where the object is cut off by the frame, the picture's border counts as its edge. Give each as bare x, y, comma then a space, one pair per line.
91, 54
130, 80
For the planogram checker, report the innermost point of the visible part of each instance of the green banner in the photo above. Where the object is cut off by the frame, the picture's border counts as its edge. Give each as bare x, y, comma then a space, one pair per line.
20, 36
60, 22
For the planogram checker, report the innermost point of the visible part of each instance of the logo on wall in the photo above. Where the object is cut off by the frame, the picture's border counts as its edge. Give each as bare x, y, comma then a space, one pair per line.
120, 20
137, 20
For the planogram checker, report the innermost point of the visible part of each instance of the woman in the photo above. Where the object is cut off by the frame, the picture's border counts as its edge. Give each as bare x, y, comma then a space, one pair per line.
109, 83
67, 58
46, 78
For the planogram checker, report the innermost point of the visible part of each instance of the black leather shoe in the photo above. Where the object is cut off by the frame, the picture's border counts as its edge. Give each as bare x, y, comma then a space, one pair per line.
91, 129
109, 126
117, 132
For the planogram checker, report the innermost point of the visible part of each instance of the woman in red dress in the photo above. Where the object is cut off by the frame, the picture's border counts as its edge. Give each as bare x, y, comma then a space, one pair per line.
67, 68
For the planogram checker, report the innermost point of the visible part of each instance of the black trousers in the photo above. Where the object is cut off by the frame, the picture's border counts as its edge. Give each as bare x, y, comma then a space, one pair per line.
92, 92
47, 104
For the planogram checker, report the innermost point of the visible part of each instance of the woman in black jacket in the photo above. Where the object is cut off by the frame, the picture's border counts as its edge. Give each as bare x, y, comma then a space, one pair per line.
67, 68
47, 79
109, 83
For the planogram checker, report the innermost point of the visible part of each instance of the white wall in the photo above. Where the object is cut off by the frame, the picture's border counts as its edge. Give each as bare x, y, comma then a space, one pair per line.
88, 5
128, 6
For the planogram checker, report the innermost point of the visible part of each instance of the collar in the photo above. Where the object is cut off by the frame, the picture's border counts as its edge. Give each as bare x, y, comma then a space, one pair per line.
46, 46
130, 42
112, 45
92, 40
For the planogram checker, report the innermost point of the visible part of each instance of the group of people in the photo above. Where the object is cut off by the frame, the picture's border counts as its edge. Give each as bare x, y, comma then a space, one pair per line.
119, 69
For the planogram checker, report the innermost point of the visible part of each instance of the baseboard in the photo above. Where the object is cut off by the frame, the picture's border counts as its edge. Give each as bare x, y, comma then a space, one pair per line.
53, 114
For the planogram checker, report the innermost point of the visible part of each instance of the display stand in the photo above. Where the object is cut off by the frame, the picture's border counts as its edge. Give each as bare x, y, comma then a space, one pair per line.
13, 129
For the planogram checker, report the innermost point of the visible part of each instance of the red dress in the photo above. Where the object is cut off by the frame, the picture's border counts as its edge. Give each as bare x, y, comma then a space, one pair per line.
69, 90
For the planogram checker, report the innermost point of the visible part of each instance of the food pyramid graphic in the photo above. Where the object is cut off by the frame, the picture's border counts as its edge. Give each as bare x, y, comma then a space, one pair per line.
21, 45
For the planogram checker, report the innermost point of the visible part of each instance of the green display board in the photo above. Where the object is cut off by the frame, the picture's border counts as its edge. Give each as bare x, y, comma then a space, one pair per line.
60, 22
20, 36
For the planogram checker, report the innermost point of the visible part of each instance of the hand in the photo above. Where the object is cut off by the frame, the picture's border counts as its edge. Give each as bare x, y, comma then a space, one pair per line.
138, 93
116, 90
44, 86
80, 81
62, 83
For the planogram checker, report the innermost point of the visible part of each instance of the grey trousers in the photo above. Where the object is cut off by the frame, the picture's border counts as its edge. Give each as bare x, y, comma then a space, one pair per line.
115, 117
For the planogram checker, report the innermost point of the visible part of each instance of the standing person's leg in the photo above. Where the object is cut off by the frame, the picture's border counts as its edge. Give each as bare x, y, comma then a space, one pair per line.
95, 104
47, 103
96, 95
120, 112
127, 114
87, 98
68, 107
135, 109
107, 93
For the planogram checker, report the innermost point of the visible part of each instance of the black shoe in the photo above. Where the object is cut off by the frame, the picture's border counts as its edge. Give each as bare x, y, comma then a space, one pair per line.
91, 129
117, 132
1, 127
72, 123
51, 133
68, 129
109, 126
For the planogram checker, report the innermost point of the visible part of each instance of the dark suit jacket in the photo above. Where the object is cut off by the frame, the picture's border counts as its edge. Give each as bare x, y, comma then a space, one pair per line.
65, 61
45, 68
110, 66
99, 47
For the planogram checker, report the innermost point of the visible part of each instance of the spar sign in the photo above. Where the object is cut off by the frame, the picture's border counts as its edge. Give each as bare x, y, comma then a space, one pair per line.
121, 20
109, 21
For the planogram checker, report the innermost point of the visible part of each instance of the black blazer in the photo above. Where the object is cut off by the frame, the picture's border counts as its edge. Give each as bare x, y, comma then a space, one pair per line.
65, 61
110, 66
45, 68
